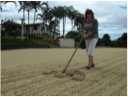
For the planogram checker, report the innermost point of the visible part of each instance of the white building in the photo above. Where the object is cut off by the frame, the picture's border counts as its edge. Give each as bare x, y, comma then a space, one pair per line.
38, 28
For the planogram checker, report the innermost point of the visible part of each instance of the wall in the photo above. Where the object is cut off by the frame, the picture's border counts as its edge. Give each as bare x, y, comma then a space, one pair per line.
67, 43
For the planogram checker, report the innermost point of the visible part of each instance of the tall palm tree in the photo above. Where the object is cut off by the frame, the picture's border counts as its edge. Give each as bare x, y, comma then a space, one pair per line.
28, 8
57, 13
79, 20
49, 17
52, 17
45, 10
35, 6
72, 13
42, 16
64, 13
53, 25
60, 16
22, 7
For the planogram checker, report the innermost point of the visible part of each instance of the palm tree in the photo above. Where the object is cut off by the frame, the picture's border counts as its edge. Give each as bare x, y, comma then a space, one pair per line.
72, 13
42, 16
60, 13
49, 18
35, 5
22, 7
52, 18
53, 25
79, 20
45, 11
28, 8
64, 13
57, 14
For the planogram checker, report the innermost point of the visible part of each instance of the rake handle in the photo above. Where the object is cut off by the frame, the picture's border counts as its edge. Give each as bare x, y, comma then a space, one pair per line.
63, 71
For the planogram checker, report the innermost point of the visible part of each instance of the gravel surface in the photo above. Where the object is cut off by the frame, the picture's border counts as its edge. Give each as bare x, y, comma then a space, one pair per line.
21, 72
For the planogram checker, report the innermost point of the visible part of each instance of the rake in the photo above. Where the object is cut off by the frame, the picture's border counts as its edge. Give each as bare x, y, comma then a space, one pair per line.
66, 66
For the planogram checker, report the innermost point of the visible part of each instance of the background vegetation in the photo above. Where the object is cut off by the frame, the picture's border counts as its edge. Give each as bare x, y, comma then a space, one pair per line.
102, 42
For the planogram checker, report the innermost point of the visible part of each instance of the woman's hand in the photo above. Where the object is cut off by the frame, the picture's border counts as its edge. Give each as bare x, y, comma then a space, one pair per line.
88, 35
85, 36
83, 32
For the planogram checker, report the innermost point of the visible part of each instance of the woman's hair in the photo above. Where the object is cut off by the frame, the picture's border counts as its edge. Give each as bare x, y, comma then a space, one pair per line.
89, 11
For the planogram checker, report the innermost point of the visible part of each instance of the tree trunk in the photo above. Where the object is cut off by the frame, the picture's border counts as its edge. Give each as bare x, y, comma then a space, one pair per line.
72, 25
33, 23
59, 28
34, 17
23, 21
63, 27
28, 25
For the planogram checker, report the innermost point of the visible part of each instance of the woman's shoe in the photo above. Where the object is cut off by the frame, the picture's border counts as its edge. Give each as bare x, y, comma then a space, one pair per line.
93, 65
88, 67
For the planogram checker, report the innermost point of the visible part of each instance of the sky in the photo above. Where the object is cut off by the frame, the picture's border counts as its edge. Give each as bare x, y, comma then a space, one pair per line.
111, 15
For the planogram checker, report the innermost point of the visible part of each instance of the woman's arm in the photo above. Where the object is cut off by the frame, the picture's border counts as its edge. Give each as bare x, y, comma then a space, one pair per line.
86, 36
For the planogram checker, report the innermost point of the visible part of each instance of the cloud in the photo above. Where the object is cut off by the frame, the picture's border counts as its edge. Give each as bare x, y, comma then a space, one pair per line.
124, 7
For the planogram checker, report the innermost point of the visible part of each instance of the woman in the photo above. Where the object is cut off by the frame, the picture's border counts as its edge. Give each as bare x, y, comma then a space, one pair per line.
91, 36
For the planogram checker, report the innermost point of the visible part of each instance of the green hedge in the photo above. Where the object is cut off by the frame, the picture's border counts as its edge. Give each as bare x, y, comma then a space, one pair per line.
18, 43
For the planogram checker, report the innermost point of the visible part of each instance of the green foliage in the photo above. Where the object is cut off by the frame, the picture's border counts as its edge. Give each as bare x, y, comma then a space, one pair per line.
122, 41
75, 35
12, 41
10, 28
102, 42
124, 37
106, 40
